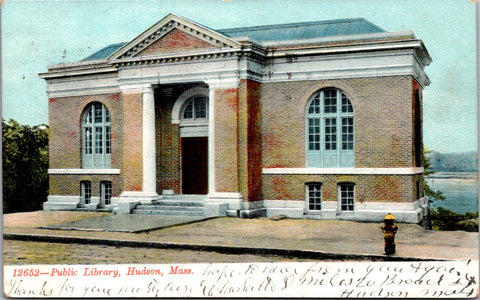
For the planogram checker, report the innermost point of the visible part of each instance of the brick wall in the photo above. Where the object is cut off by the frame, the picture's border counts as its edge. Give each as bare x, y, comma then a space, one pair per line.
369, 188
168, 144
65, 118
132, 156
69, 185
383, 120
226, 140
176, 41
417, 188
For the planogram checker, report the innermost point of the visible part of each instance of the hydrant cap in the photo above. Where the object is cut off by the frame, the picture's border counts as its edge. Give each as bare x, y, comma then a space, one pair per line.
389, 217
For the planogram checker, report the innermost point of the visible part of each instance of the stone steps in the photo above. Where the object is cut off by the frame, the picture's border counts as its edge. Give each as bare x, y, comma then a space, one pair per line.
181, 207
167, 212
177, 203
187, 205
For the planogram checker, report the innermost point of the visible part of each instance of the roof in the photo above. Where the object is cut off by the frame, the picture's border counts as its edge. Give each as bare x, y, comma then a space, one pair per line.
281, 32
104, 52
305, 30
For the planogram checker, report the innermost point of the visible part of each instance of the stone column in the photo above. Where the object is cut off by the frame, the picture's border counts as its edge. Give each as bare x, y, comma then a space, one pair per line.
149, 183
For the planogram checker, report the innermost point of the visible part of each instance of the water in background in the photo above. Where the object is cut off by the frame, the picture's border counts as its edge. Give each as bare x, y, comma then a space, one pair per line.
460, 190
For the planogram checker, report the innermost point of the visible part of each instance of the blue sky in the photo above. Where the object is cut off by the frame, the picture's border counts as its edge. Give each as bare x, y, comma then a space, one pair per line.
36, 34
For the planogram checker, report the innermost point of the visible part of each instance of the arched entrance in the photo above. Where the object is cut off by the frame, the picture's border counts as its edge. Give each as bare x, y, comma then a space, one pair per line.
191, 112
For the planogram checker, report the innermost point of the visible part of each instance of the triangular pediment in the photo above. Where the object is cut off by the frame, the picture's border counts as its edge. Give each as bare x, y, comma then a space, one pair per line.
173, 34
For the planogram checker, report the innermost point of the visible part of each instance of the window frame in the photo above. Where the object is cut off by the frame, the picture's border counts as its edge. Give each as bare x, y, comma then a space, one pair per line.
317, 199
85, 192
193, 103
96, 144
197, 124
330, 130
343, 201
105, 193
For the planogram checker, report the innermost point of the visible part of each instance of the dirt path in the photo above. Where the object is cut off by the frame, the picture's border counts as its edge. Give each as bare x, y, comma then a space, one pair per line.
23, 253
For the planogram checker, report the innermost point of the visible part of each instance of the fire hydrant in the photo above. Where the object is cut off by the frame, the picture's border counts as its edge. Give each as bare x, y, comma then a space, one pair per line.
389, 229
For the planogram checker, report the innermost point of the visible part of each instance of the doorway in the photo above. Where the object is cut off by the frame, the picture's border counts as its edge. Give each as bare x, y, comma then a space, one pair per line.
194, 165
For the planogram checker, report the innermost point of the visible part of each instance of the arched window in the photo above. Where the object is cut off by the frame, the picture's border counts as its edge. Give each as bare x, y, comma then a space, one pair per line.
194, 117
96, 137
195, 109
330, 130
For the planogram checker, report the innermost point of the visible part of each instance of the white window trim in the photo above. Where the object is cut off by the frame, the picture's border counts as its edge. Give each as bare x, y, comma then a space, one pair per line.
339, 198
103, 192
307, 199
179, 104
104, 157
83, 192
346, 171
84, 171
337, 116
194, 120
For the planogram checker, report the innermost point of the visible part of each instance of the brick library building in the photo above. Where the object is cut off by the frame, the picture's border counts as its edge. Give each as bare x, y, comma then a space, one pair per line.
319, 120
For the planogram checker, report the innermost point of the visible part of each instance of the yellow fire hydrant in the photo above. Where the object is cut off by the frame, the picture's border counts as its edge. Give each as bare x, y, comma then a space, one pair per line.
389, 229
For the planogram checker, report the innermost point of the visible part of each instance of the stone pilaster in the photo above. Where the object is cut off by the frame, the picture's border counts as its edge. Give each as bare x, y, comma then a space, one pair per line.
223, 188
146, 138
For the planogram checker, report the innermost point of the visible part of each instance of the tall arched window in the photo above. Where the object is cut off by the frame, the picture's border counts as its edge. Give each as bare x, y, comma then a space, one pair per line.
330, 130
417, 131
96, 137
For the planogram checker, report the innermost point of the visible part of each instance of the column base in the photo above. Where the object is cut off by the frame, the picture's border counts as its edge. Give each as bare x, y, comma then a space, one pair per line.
253, 209
234, 200
232, 205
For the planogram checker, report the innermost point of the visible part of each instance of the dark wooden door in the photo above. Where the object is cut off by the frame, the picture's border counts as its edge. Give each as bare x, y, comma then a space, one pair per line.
195, 165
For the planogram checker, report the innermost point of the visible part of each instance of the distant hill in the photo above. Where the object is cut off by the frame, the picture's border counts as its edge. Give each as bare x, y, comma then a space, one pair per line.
454, 162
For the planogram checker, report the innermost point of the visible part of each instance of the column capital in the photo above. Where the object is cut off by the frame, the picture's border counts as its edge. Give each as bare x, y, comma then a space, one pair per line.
136, 88
147, 88
131, 89
224, 84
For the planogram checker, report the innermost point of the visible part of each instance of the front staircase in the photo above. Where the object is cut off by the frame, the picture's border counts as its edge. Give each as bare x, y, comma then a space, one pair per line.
186, 205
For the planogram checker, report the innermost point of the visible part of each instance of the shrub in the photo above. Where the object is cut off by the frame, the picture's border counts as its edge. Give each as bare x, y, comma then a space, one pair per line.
445, 219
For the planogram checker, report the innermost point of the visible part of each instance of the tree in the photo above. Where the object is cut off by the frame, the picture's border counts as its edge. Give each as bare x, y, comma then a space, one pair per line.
25, 166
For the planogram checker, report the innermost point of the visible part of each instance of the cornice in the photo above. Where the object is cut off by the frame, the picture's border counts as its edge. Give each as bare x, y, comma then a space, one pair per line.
318, 49
209, 54
176, 57
77, 72
264, 57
